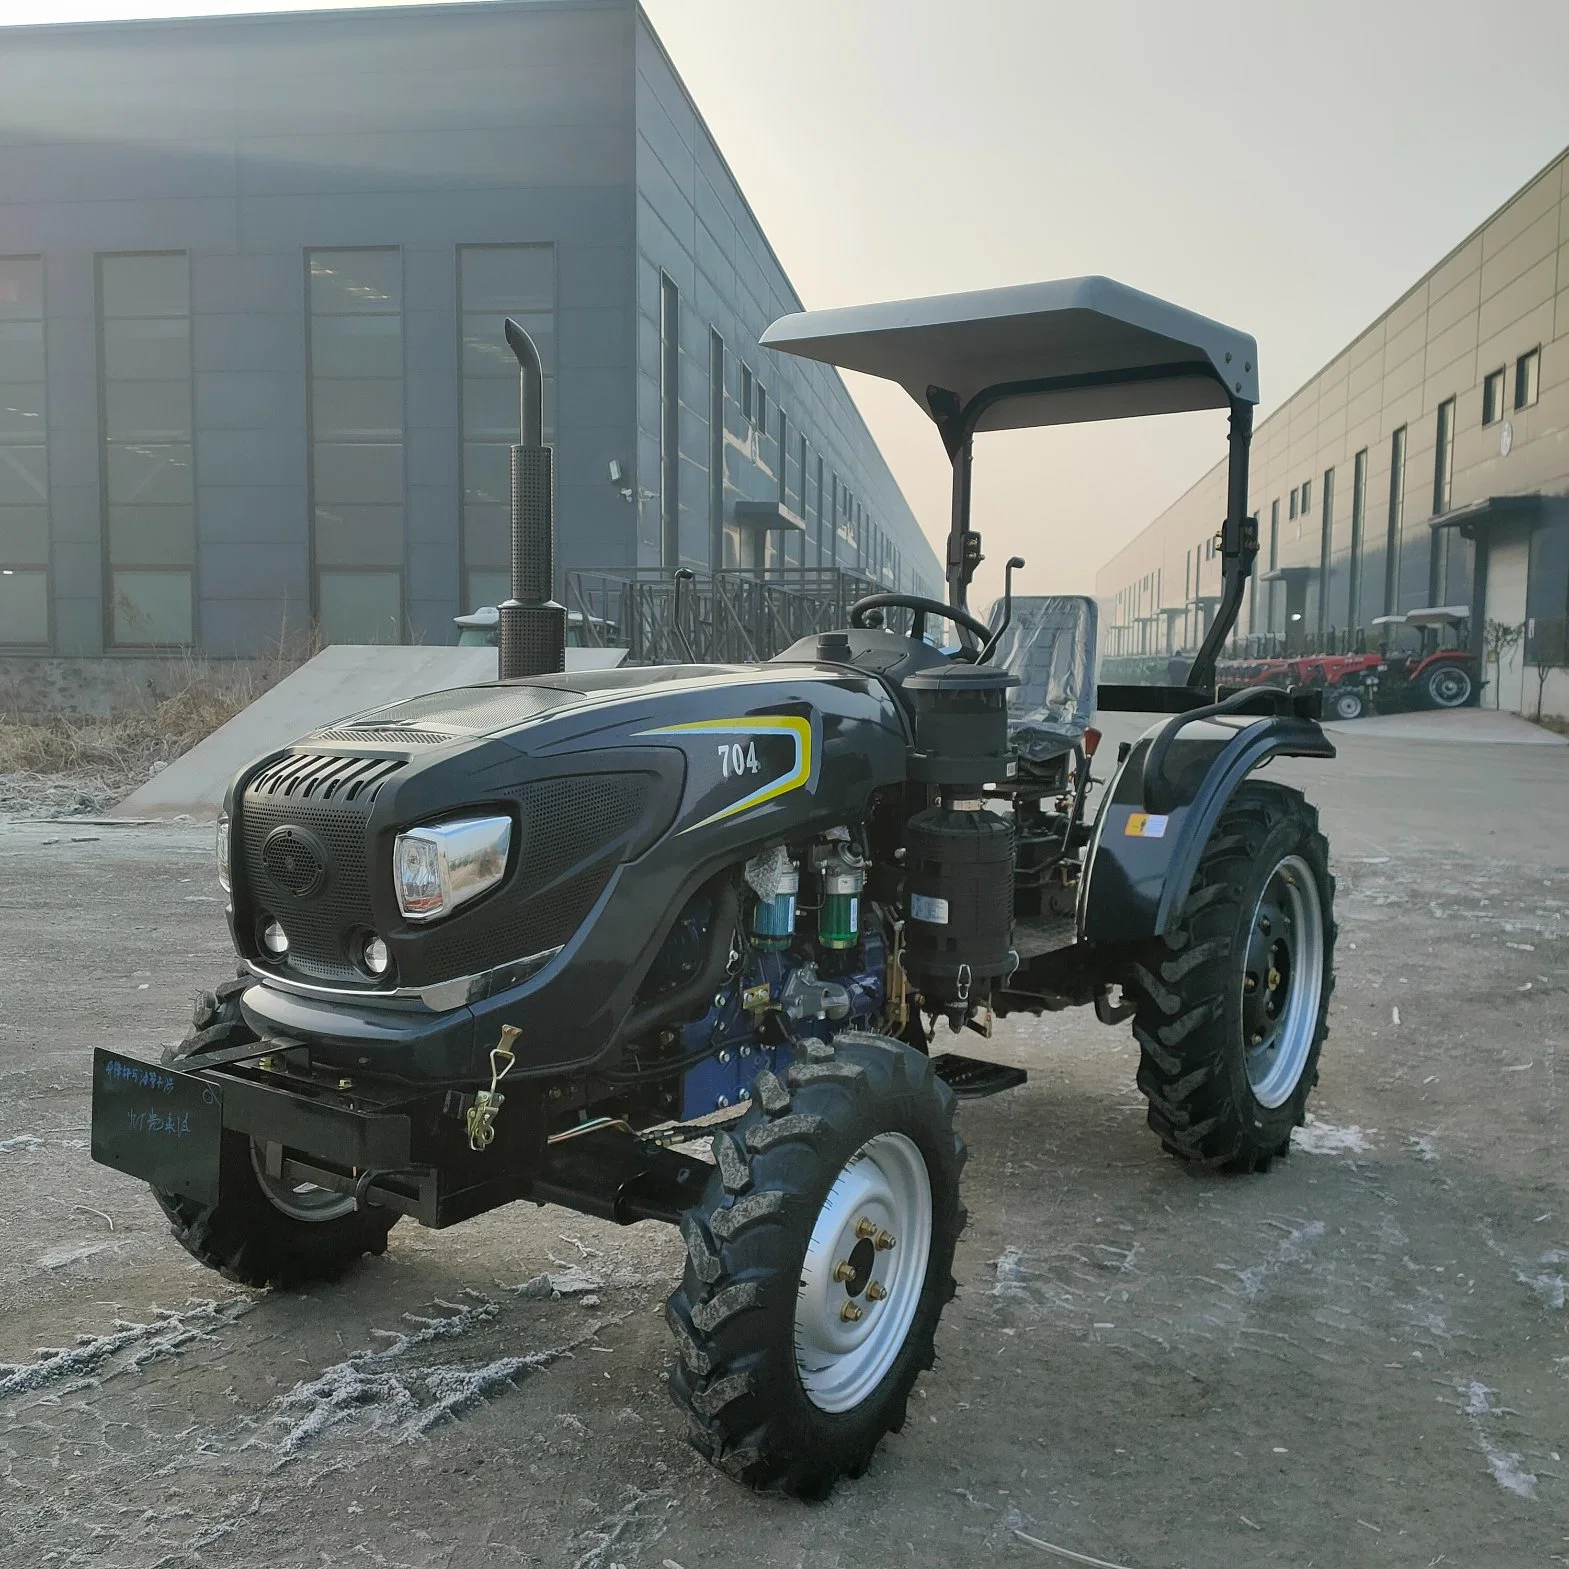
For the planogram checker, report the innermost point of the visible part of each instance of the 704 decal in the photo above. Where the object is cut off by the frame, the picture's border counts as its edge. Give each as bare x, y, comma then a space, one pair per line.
737, 759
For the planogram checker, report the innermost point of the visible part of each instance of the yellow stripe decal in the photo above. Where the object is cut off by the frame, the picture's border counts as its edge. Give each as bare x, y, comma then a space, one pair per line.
800, 730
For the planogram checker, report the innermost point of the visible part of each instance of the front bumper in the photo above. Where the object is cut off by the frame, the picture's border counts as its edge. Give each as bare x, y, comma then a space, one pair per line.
168, 1126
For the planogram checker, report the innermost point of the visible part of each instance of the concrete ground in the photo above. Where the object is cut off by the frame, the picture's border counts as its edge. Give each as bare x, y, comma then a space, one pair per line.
1357, 1359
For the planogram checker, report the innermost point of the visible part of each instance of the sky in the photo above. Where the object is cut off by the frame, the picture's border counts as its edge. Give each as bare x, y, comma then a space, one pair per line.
1290, 169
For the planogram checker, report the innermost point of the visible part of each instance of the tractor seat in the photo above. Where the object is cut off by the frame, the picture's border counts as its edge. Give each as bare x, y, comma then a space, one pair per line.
1050, 647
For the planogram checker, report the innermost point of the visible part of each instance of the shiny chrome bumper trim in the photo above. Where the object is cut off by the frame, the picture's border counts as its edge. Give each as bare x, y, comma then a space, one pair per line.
439, 997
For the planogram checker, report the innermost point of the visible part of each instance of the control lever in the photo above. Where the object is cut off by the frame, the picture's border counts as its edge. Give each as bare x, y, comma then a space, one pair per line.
1015, 563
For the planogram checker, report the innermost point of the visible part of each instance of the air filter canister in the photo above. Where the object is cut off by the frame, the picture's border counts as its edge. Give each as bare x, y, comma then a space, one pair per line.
959, 861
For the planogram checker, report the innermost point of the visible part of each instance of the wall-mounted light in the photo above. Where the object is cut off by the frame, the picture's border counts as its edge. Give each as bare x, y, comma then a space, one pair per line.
614, 471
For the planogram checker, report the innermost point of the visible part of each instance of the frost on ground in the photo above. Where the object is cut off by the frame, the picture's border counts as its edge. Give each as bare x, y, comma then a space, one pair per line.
599, 1541
1324, 1138
128, 1349
54, 795
1508, 1468
1547, 1285
379, 1393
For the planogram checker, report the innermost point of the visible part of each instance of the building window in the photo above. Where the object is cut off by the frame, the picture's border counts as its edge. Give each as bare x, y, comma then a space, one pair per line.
144, 305
760, 399
1326, 540
669, 422
1394, 538
1274, 558
798, 542
356, 429
24, 458
720, 544
494, 282
747, 386
831, 523
1358, 535
1493, 397
1293, 501
1444, 457
1307, 497
822, 532
1528, 376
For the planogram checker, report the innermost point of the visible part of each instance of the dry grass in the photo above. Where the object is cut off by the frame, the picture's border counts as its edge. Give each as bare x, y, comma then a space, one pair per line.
1554, 722
85, 763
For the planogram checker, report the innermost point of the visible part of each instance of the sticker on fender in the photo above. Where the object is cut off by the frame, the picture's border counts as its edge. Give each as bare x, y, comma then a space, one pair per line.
1146, 825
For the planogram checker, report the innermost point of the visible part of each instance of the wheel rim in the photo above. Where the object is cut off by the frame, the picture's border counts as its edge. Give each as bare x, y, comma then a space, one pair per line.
298, 1200
847, 1335
1283, 981
1449, 686
1348, 705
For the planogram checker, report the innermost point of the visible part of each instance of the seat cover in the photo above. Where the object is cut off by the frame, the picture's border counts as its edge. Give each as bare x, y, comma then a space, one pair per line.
1050, 646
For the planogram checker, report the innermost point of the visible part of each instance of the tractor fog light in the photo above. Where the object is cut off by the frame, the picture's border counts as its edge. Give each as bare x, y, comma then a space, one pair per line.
376, 956
435, 869
274, 939
223, 852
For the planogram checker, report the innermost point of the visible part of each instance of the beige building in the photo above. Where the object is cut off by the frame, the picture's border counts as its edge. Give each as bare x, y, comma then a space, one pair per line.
1426, 464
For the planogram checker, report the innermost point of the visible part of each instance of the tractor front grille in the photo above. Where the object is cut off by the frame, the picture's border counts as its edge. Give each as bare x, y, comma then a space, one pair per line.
303, 856
303, 842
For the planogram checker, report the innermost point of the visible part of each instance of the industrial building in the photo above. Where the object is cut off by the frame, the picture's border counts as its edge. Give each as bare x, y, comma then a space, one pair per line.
253, 273
1427, 464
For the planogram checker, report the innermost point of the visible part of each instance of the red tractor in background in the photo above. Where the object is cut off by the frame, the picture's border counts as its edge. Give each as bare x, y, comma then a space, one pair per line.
1423, 662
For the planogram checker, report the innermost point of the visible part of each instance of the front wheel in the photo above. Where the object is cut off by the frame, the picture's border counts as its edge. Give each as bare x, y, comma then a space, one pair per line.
264, 1231
818, 1265
1447, 686
1232, 1005
1344, 702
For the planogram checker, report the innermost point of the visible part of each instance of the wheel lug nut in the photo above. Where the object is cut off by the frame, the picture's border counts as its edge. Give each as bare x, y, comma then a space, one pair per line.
1250, 983
876, 1292
844, 1270
1263, 925
885, 1240
849, 1312
864, 1228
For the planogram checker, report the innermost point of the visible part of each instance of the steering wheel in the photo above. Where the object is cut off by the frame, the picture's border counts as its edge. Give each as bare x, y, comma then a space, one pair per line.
920, 609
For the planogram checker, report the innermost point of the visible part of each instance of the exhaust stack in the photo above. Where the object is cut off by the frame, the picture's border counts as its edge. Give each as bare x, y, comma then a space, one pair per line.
533, 626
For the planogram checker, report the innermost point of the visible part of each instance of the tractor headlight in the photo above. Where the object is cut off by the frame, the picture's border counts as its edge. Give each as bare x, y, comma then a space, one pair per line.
436, 869
223, 852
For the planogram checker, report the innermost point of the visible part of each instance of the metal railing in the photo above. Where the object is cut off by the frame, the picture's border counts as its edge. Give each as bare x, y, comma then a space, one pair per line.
728, 617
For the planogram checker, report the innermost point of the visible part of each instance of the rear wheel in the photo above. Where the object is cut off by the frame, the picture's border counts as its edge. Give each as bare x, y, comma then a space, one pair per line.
818, 1265
1232, 1006
1447, 686
264, 1231
1344, 702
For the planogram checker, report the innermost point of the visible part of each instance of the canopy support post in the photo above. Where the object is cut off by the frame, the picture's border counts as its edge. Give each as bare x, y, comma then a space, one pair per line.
1238, 547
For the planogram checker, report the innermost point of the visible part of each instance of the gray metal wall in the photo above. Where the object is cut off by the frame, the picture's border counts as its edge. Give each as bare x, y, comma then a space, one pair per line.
246, 141
246, 144
695, 228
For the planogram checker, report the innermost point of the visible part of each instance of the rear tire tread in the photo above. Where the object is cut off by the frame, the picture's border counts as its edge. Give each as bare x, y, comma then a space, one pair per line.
1182, 988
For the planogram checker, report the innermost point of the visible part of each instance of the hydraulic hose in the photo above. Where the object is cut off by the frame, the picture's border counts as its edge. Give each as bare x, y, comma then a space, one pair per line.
693, 996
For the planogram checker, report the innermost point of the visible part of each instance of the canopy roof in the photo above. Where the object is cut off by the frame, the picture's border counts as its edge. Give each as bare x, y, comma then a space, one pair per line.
1116, 351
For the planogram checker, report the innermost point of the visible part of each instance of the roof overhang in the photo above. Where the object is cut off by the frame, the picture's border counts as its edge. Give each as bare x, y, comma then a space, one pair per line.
1289, 574
767, 517
1035, 354
1480, 517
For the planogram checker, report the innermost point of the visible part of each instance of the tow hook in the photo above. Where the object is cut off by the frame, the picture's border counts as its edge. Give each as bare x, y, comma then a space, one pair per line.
481, 1116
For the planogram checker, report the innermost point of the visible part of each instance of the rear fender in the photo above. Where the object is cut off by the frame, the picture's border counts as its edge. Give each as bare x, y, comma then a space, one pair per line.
1441, 656
1152, 830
